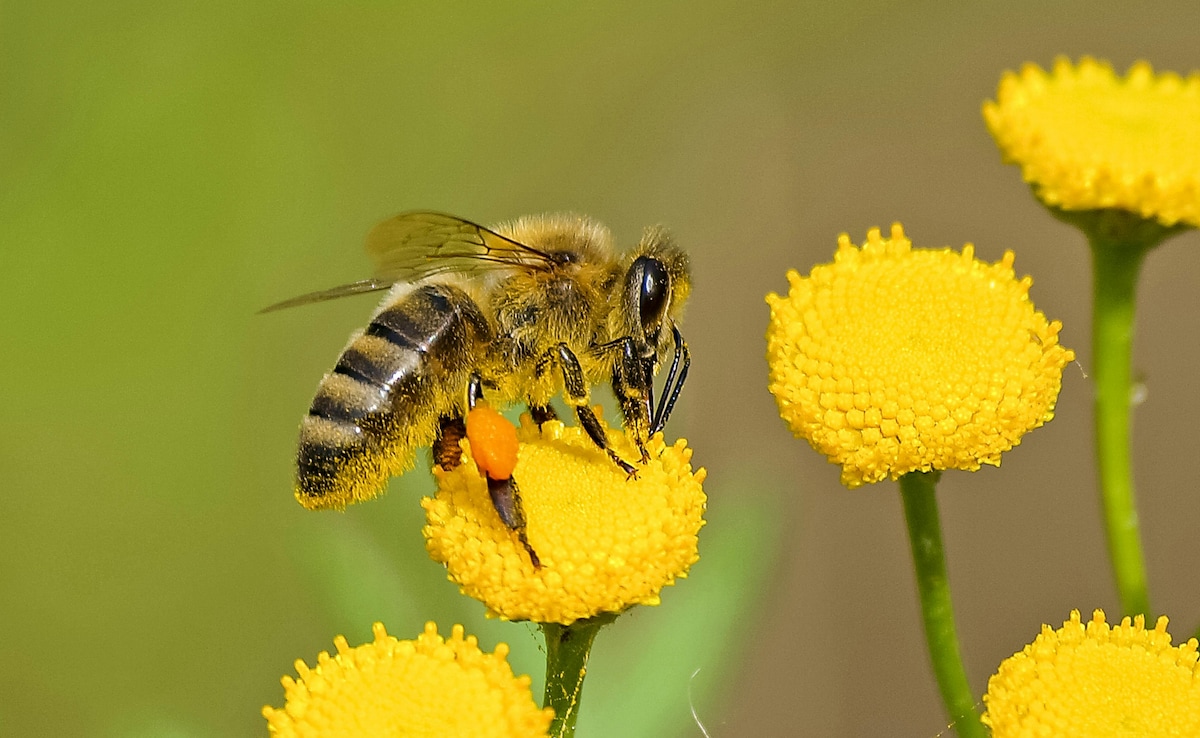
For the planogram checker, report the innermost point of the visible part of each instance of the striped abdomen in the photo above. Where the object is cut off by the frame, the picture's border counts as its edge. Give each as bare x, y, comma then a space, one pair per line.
383, 399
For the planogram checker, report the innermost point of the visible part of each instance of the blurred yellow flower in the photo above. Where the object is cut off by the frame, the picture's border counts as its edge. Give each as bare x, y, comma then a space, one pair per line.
894, 359
1086, 139
606, 542
425, 688
1093, 681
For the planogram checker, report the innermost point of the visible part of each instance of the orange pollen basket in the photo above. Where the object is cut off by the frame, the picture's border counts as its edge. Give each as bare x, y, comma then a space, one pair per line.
493, 442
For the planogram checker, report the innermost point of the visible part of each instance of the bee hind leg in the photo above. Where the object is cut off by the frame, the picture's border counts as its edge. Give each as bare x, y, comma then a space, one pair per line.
506, 498
447, 453
486, 427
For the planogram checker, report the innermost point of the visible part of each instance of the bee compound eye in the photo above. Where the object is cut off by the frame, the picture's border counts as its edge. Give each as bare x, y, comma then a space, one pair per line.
654, 291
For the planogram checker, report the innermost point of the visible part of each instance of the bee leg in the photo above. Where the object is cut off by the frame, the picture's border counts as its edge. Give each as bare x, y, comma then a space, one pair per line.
541, 414
633, 386
447, 453
591, 424
474, 391
506, 498
575, 391
502, 488
671, 393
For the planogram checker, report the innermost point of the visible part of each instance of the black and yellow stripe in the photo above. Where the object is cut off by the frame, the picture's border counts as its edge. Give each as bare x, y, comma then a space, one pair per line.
384, 397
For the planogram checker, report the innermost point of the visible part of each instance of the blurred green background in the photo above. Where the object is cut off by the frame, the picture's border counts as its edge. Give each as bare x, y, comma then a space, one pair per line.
167, 169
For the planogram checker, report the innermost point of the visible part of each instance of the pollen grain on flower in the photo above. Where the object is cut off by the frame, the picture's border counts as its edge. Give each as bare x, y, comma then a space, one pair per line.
430, 686
894, 359
1086, 138
606, 541
1096, 681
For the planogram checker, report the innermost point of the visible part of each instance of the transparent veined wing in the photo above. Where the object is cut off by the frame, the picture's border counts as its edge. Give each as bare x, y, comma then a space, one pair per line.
412, 246
415, 245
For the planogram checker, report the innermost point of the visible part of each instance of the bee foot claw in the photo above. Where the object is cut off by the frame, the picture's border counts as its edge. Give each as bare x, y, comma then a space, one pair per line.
629, 469
533, 557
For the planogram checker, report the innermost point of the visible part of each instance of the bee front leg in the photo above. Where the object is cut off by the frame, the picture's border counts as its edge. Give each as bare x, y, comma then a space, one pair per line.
633, 386
576, 393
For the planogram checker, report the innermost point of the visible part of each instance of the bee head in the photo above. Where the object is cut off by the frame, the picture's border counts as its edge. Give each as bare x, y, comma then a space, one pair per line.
657, 284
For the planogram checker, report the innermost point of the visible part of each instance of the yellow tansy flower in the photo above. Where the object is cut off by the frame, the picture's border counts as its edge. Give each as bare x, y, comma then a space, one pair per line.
1087, 139
894, 359
1094, 681
425, 688
606, 542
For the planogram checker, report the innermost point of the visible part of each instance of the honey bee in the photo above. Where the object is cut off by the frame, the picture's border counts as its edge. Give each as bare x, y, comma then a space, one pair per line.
536, 308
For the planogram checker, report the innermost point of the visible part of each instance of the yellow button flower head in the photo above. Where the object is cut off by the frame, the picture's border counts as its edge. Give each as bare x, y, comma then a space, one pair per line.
1086, 139
894, 359
606, 542
1093, 681
425, 688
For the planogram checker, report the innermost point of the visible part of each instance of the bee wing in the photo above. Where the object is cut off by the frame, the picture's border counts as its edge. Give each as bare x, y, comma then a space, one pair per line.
344, 290
412, 246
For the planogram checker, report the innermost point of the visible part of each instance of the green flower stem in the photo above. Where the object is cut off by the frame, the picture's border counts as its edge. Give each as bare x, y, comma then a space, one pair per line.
1115, 268
1120, 241
567, 650
918, 490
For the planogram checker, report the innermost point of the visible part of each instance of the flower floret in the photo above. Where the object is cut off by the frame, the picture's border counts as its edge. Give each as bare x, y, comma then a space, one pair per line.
606, 541
1097, 681
1088, 139
893, 359
430, 686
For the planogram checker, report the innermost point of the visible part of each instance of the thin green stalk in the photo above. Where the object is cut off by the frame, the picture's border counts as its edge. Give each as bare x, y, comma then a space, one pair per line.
1115, 269
918, 490
1120, 241
567, 650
